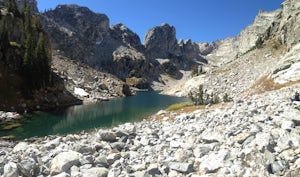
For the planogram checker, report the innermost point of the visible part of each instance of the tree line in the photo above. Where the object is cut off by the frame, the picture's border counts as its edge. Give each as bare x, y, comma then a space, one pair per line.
25, 47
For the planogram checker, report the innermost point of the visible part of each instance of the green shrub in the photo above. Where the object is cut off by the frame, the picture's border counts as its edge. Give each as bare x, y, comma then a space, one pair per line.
201, 98
259, 43
226, 98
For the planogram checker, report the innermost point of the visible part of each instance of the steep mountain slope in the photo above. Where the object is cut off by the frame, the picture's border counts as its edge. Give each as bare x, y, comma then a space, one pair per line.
85, 36
262, 57
27, 81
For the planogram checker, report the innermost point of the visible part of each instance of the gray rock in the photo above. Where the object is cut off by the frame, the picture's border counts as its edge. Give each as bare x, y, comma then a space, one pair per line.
200, 151
140, 174
64, 161
114, 172
210, 136
11, 170
278, 166
63, 174
181, 167
22, 146
240, 138
101, 161
28, 167
75, 171
138, 167
153, 170
182, 155
89, 159
118, 145
111, 158
53, 143
287, 125
107, 136
95, 172
214, 161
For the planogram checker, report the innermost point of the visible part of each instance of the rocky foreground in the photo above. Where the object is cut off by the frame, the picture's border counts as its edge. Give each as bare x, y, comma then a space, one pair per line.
257, 136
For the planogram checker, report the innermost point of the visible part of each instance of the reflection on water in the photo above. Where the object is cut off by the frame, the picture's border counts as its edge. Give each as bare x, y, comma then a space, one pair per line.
84, 117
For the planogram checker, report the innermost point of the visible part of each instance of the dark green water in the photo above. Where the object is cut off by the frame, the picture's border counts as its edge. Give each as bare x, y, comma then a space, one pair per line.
85, 117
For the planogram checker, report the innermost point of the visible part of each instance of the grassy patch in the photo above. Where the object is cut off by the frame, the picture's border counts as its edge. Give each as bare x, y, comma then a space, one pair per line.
12, 126
266, 84
179, 106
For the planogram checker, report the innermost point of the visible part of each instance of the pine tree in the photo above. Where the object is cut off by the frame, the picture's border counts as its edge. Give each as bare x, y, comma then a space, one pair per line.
4, 40
27, 20
37, 24
42, 61
13, 7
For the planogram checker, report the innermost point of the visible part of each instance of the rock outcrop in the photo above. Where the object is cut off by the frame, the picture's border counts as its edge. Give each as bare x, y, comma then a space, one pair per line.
160, 41
288, 24
265, 52
101, 47
86, 83
227, 50
76, 31
114, 49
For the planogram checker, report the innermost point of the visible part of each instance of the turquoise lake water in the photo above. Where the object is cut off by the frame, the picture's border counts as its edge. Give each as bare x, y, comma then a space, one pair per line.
86, 117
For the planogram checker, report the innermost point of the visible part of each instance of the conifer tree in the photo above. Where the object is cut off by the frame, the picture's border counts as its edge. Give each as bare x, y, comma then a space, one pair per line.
42, 60
4, 40
27, 20
13, 7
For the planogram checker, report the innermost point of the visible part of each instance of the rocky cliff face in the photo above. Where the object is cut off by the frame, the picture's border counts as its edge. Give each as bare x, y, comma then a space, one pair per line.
82, 35
229, 49
238, 66
76, 31
85, 36
160, 41
287, 25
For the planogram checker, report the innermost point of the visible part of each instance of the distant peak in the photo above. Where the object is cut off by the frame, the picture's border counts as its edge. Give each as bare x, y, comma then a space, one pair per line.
165, 24
68, 6
72, 7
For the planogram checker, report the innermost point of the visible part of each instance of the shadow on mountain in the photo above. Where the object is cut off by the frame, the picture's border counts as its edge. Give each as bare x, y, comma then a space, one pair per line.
12, 99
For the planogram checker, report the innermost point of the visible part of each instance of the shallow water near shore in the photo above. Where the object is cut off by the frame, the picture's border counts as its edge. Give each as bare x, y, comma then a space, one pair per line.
86, 117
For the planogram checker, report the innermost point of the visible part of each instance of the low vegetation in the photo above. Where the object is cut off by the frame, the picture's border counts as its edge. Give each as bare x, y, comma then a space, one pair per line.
202, 98
178, 106
197, 70
265, 84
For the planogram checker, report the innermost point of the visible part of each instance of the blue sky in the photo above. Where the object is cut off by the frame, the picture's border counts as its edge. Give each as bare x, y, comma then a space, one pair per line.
199, 20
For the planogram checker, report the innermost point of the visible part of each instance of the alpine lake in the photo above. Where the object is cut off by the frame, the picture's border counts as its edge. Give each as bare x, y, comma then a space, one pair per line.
90, 116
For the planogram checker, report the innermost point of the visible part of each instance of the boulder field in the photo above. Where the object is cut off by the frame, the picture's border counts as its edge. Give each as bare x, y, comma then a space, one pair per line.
255, 136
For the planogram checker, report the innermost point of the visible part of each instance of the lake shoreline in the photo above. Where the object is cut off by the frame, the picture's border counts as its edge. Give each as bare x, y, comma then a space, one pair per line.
258, 136
91, 115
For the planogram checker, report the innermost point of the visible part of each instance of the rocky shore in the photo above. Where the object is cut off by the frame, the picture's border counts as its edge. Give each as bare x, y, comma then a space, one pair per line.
256, 136
8, 116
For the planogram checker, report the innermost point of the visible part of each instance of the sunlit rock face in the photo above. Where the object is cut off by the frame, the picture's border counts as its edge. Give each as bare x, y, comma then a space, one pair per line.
160, 41
289, 23
20, 3
224, 51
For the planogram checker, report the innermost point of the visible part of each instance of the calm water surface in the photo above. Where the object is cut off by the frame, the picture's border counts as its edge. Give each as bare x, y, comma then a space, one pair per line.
85, 117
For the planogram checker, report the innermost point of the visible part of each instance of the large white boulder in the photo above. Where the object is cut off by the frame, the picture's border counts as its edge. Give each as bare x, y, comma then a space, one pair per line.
80, 92
64, 161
